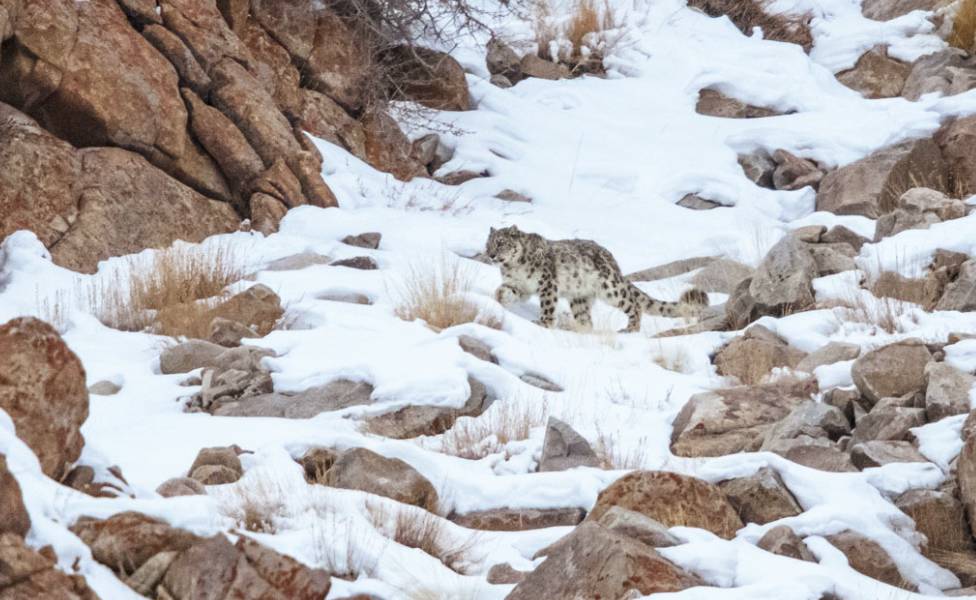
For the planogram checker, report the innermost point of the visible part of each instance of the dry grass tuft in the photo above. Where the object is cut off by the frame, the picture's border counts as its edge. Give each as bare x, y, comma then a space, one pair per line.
416, 528
749, 14
613, 458
583, 40
505, 421
672, 358
886, 314
963, 35
172, 294
254, 505
438, 295
343, 549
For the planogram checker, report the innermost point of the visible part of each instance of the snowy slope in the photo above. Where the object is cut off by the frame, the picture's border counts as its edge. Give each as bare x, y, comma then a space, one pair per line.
604, 159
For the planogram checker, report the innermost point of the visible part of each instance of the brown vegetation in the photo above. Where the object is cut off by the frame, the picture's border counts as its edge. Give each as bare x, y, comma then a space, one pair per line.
749, 14
506, 421
438, 295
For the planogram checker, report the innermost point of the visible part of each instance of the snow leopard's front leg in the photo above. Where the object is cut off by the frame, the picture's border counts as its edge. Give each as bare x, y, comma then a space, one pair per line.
509, 294
548, 296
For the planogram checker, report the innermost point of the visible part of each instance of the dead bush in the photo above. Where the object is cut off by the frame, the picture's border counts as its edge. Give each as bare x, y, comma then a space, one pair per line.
581, 41
612, 457
438, 295
749, 14
505, 421
253, 505
415, 528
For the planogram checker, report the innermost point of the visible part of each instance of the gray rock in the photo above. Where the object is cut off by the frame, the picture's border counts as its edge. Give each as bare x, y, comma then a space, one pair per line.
810, 233
716, 104
225, 456
367, 471
302, 405
961, 294
887, 423
296, 262
761, 498
816, 453
180, 486
637, 526
214, 475
922, 199
536, 380
886, 10
477, 348
949, 71
184, 357
829, 354
783, 541
783, 281
868, 557
370, 240
363, 263
104, 388
899, 220
563, 448
750, 360
502, 60
892, 370
412, 421
939, 516
533, 66
512, 196
830, 261
519, 519
228, 333
504, 83
721, 275
794, 173
875, 453
504, 573
758, 168
811, 418
695, 202
948, 391
875, 75
840, 234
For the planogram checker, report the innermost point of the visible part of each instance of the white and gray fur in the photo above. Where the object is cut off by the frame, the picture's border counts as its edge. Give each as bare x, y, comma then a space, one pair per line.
581, 271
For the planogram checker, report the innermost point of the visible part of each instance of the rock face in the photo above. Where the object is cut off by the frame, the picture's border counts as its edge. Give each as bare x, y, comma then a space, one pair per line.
961, 294
15, 518
728, 421
872, 185
893, 370
594, 562
42, 389
947, 392
671, 499
782, 282
563, 448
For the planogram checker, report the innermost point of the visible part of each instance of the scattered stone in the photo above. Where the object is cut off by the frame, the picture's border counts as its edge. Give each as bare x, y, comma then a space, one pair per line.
948, 71
302, 405
15, 518
593, 562
519, 519
839, 234
370, 240
716, 104
750, 360
296, 262
229, 334
672, 499
899, 220
180, 486
363, 263
257, 307
637, 526
867, 557
925, 200
104, 388
871, 186
831, 261
947, 392
892, 370
876, 453
722, 422
504, 574
416, 420
214, 475
761, 498
367, 471
696, 202
832, 352
875, 75
536, 380
811, 419
721, 275
512, 196
42, 389
758, 168
459, 177
956, 141
783, 541
809, 234
814, 452
563, 448
28, 574
477, 348
130, 539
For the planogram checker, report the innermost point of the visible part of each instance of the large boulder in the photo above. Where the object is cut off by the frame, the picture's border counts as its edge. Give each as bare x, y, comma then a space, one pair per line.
42, 389
26, 574
751, 358
783, 281
939, 516
892, 370
876, 75
728, 421
761, 497
594, 562
257, 307
671, 499
784, 541
387, 148
128, 540
15, 518
948, 391
887, 423
872, 185
875, 453
948, 71
367, 471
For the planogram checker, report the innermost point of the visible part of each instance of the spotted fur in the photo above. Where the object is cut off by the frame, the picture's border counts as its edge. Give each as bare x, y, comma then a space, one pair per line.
581, 271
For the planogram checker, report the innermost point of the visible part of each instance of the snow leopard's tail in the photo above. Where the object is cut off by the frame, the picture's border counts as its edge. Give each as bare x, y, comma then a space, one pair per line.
691, 303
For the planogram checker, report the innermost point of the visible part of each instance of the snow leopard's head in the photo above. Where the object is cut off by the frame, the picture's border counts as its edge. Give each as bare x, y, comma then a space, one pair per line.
504, 245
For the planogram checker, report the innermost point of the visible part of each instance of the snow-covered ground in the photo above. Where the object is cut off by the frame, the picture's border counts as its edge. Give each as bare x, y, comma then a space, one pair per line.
604, 159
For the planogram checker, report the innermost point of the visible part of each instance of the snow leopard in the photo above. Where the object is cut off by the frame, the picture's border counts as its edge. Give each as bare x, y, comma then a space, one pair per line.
580, 271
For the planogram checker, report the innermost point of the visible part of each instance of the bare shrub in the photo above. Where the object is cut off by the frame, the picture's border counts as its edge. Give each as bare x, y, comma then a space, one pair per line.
673, 358
612, 457
505, 421
887, 314
254, 505
416, 528
438, 295
582, 41
749, 14
342, 547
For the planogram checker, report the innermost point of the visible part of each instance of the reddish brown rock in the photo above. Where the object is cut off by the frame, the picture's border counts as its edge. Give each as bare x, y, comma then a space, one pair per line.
172, 47
868, 557
15, 518
362, 469
199, 24
29, 575
273, 67
324, 118
388, 149
956, 140
42, 389
671, 499
127, 540
876, 75
428, 77
266, 213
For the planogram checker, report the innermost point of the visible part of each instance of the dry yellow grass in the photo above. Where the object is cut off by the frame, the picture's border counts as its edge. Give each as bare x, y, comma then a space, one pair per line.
171, 294
477, 437
437, 294
582, 42
963, 35
415, 528
749, 14
254, 505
